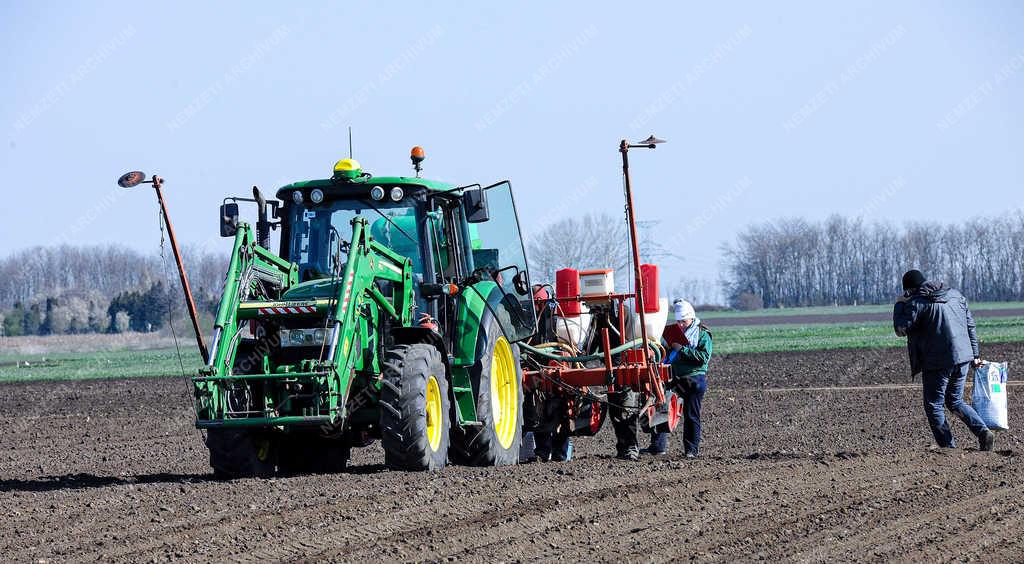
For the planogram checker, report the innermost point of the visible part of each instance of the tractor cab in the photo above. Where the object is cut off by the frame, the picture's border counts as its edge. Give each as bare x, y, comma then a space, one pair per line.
452, 235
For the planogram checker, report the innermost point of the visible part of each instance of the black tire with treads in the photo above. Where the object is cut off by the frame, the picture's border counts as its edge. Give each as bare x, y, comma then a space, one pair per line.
241, 453
479, 445
403, 409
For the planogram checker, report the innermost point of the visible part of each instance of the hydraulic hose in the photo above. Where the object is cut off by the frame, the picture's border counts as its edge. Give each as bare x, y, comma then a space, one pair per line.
634, 344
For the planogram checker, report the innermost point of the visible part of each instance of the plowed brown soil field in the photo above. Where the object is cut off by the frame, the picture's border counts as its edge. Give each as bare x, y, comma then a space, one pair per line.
807, 456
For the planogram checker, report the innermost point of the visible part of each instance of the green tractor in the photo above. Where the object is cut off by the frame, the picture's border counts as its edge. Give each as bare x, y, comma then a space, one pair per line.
391, 313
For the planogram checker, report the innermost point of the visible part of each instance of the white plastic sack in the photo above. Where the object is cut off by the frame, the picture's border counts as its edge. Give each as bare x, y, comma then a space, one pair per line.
989, 396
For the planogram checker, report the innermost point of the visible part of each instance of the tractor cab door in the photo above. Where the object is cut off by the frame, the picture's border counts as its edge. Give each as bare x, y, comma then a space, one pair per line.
496, 245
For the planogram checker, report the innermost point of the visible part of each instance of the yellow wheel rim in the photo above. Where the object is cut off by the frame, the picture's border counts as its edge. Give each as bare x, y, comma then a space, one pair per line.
504, 393
434, 415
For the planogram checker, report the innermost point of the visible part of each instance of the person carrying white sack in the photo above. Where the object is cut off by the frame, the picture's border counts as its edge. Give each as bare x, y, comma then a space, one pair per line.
690, 346
942, 343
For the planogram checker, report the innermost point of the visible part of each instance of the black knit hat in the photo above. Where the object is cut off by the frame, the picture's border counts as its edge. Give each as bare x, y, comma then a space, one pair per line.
913, 279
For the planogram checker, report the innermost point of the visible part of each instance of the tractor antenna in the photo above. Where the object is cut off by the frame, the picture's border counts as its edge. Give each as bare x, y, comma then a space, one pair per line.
350, 141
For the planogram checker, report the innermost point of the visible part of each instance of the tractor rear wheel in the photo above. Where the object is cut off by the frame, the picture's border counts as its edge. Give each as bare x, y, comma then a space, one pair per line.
498, 381
240, 453
414, 406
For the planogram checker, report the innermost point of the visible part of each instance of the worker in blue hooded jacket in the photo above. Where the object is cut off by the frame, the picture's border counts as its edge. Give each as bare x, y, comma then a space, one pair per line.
943, 344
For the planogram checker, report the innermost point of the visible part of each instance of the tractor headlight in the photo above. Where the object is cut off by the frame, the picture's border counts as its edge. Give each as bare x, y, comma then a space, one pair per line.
377, 193
397, 194
297, 197
302, 337
316, 196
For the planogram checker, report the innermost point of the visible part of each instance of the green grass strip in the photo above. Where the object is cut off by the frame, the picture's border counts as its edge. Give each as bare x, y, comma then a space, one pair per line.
104, 364
797, 337
840, 310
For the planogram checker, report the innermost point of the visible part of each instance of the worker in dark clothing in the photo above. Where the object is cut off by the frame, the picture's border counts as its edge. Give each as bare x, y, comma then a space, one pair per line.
690, 347
551, 435
623, 408
552, 438
624, 411
942, 344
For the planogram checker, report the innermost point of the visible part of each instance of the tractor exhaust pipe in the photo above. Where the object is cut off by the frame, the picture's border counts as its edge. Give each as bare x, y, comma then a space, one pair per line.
262, 222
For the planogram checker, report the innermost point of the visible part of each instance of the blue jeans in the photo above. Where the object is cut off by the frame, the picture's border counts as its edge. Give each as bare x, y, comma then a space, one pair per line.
945, 388
692, 400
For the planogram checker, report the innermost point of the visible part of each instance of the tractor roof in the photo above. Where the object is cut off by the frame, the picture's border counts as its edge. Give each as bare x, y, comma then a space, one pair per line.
342, 183
349, 176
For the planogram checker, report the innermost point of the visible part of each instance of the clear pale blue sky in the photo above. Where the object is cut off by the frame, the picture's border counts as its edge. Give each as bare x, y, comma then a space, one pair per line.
925, 122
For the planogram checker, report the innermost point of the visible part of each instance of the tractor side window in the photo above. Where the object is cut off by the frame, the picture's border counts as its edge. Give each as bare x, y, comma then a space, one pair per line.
497, 246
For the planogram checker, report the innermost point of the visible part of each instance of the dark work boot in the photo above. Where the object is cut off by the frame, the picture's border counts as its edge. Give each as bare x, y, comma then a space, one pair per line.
631, 454
986, 441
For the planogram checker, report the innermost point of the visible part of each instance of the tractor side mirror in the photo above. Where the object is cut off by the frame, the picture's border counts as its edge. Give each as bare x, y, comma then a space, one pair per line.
475, 202
520, 283
228, 219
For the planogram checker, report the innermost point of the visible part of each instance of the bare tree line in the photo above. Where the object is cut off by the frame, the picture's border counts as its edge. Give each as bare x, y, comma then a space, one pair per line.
795, 262
37, 273
95, 289
590, 241
602, 241
790, 262
703, 293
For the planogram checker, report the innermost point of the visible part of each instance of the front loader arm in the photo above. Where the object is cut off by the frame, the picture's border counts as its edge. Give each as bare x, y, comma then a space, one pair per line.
368, 261
249, 261
250, 267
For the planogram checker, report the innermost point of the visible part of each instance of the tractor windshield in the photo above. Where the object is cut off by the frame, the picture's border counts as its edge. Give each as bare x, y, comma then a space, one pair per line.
318, 232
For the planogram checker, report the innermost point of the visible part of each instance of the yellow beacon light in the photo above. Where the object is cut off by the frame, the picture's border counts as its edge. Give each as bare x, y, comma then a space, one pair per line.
347, 168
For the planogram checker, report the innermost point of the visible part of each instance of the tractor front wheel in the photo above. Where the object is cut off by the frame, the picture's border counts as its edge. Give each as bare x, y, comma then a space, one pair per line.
240, 453
414, 408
